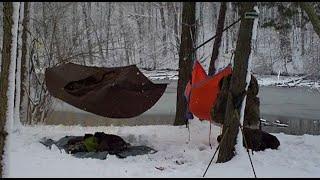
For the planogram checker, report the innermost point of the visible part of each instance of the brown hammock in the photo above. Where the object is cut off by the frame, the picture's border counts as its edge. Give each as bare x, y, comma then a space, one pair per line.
118, 92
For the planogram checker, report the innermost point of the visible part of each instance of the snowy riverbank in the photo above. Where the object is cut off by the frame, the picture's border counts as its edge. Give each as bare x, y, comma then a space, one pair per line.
263, 80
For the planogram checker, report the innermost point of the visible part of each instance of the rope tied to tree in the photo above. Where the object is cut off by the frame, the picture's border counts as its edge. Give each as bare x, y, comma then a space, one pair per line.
247, 15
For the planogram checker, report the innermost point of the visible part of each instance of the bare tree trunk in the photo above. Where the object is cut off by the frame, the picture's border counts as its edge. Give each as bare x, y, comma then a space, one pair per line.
201, 24
17, 96
86, 22
237, 86
56, 41
74, 27
98, 39
217, 41
303, 33
24, 63
214, 15
44, 16
4, 76
284, 34
164, 29
124, 34
185, 59
314, 18
139, 11
176, 27
108, 29
234, 30
154, 55
172, 36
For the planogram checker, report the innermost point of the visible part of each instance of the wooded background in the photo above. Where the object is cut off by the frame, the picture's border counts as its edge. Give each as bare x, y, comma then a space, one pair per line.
148, 34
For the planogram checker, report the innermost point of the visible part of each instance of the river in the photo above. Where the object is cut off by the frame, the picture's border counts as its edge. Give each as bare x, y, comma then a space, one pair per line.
297, 108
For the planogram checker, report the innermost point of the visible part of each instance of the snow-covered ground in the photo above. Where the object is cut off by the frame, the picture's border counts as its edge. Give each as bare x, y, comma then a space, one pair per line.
297, 156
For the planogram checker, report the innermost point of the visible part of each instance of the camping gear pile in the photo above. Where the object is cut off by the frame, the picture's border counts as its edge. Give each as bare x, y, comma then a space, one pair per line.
98, 145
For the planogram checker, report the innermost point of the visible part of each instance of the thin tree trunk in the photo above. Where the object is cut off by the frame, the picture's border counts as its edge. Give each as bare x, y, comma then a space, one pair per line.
86, 22
139, 20
176, 27
4, 76
164, 33
214, 16
217, 41
154, 54
284, 36
185, 59
123, 35
303, 32
74, 27
44, 16
98, 39
108, 29
201, 24
24, 64
17, 96
237, 86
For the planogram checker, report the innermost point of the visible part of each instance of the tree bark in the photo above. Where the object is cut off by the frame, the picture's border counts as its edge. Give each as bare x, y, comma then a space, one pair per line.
237, 86
164, 29
284, 36
98, 37
201, 26
4, 76
185, 59
314, 18
107, 30
86, 13
217, 41
124, 36
24, 64
177, 20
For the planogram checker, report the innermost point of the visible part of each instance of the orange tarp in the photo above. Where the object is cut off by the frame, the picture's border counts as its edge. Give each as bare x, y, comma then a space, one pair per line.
203, 90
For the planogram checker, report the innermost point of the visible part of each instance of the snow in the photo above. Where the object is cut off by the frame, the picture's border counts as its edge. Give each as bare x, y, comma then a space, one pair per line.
161, 75
297, 156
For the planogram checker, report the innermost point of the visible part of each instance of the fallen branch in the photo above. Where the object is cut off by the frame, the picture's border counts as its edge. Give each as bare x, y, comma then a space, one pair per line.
291, 82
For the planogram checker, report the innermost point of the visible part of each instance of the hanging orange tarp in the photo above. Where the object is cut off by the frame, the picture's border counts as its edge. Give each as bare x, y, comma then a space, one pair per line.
203, 90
